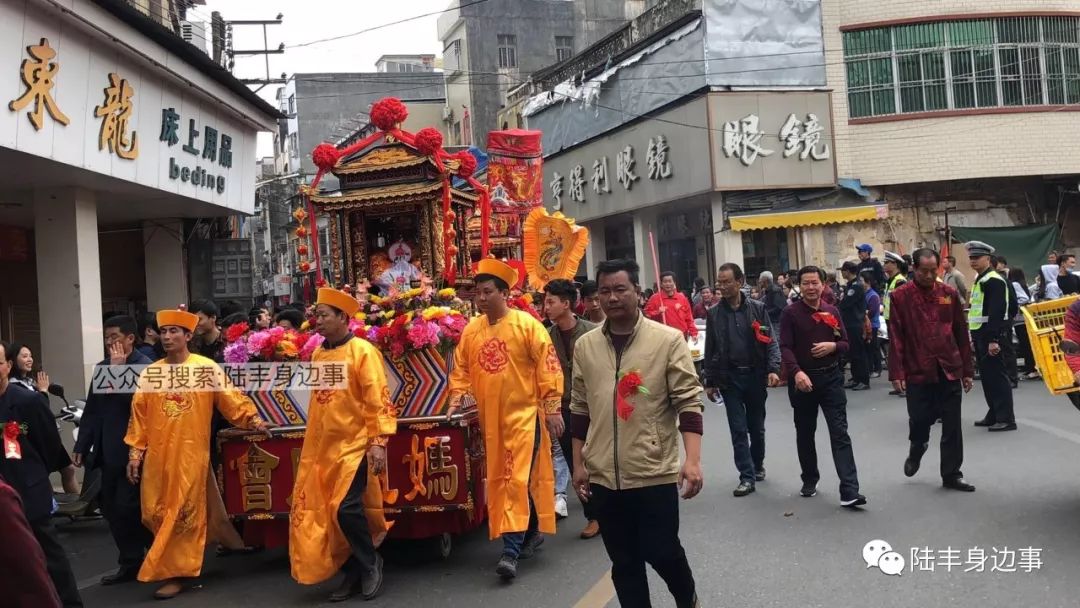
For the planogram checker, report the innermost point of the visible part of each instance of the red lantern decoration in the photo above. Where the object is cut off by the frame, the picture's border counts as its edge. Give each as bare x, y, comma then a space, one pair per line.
300, 215
450, 217
302, 250
325, 156
304, 267
301, 232
428, 141
468, 164
320, 282
388, 113
452, 249
451, 234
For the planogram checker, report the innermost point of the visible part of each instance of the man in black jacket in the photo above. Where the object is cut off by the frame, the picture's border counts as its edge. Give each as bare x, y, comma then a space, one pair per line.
772, 296
29, 434
104, 424
853, 315
742, 358
870, 263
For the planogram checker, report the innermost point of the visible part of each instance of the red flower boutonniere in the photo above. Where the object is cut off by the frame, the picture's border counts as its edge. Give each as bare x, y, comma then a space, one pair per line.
628, 386
828, 319
761, 333
946, 300
12, 430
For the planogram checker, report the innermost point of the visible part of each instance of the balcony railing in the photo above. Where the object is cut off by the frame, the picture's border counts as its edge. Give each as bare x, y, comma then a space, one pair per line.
661, 17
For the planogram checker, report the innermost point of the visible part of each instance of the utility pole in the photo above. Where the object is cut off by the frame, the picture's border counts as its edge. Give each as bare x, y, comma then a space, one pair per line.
266, 51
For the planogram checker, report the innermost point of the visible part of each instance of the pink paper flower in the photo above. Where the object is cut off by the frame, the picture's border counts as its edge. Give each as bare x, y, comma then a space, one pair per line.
237, 353
257, 342
423, 333
312, 343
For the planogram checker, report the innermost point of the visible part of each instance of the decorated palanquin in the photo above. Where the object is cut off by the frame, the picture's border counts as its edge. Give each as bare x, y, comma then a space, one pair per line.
396, 225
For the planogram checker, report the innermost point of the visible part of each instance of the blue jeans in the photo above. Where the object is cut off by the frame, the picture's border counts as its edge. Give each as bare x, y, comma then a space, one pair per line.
744, 402
514, 541
562, 470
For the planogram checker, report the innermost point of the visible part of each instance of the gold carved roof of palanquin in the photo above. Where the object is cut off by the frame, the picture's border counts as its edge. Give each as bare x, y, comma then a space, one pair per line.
382, 158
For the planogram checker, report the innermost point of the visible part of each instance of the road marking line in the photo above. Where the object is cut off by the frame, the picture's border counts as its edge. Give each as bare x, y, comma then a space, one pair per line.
1066, 435
600, 595
86, 583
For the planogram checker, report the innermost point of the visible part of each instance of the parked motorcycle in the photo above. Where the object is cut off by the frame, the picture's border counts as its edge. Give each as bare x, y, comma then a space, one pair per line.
85, 503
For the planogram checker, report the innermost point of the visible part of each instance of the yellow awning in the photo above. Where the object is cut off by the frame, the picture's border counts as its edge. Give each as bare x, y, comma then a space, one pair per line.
815, 217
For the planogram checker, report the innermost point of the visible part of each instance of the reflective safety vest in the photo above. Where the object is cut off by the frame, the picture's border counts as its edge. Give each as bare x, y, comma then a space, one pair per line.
892, 284
976, 316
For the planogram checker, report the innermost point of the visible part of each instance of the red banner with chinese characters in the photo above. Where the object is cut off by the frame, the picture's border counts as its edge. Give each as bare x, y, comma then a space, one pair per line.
515, 170
434, 481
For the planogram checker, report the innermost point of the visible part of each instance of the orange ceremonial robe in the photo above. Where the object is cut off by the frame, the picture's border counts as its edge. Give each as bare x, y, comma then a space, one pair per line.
341, 426
512, 371
172, 429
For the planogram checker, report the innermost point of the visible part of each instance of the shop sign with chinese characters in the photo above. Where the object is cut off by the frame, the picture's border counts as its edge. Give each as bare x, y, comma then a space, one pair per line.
772, 140
80, 103
647, 163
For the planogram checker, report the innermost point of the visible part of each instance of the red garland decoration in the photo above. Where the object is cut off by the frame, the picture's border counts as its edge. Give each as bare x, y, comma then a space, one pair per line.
468, 164
388, 113
428, 141
325, 156
760, 333
449, 249
828, 319
629, 384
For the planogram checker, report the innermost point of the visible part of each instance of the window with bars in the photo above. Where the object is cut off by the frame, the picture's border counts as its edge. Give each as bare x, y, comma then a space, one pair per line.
564, 47
978, 63
507, 50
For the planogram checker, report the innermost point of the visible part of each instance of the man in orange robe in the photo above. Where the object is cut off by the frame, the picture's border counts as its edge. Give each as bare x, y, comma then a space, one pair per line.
347, 432
507, 362
169, 453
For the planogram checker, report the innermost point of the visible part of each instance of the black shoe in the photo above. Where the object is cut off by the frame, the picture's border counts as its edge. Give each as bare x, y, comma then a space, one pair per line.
532, 543
808, 490
851, 384
371, 585
861, 387
958, 484
984, 422
507, 568
1016, 384
854, 503
123, 575
760, 474
744, 488
1002, 426
348, 588
911, 465
895, 392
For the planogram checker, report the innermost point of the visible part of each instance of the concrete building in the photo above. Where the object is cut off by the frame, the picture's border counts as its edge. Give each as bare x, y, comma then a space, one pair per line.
108, 161
491, 47
957, 109
405, 63
703, 123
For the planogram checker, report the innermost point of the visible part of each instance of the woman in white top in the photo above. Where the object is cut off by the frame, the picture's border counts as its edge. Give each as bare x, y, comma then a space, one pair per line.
1023, 297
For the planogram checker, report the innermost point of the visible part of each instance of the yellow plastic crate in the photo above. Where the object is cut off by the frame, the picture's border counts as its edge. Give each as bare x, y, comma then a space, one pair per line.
1045, 323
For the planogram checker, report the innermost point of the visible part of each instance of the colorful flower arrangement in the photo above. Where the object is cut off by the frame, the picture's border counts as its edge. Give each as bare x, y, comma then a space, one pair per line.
412, 320
273, 344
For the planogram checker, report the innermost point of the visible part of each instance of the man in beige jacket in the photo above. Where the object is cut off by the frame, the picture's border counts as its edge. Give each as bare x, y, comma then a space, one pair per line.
634, 391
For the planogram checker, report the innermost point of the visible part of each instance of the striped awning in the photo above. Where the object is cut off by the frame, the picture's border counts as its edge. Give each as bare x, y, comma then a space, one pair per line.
810, 217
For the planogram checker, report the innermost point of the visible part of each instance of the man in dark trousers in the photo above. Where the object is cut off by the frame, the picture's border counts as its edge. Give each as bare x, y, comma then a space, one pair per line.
812, 340
560, 297
853, 315
990, 325
742, 359
101, 444
29, 435
930, 351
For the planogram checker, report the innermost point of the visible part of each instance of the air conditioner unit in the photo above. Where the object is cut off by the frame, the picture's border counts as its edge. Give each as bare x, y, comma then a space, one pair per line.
447, 113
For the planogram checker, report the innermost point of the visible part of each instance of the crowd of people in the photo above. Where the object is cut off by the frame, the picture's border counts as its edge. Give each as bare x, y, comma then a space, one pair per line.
601, 364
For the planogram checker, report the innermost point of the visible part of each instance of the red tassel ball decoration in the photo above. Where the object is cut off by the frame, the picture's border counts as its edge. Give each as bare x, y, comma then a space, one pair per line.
428, 141
302, 250
304, 267
468, 164
325, 156
388, 113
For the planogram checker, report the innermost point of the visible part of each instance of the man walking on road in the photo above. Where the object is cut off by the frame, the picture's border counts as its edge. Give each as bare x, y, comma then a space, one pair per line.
742, 359
954, 279
505, 359
670, 307
104, 424
853, 315
812, 340
931, 354
633, 381
347, 432
566, 328
990, 325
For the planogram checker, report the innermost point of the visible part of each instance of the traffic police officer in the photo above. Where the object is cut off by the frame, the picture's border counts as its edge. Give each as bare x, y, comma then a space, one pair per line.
895, 276
988, 320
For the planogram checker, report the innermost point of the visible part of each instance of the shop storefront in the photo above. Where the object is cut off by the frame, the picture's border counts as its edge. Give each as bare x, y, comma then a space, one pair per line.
114, 131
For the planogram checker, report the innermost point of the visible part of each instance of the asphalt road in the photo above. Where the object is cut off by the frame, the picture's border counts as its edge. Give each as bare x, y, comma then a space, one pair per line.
772, 548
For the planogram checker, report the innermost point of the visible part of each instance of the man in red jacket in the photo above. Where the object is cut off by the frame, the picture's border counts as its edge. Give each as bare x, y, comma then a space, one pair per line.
930, 360
670, 307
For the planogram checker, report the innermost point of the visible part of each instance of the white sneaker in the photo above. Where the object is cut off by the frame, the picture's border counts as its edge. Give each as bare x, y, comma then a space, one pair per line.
560, 506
